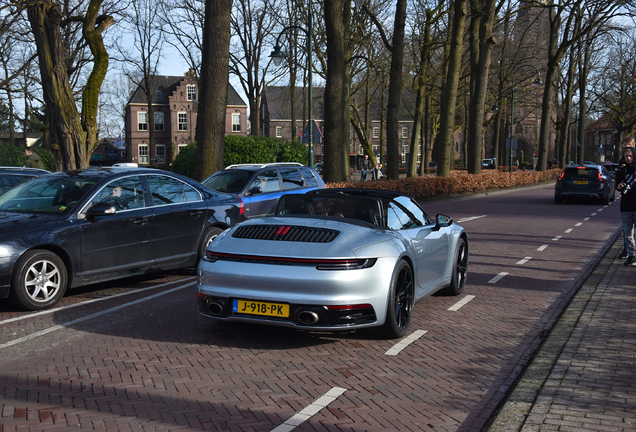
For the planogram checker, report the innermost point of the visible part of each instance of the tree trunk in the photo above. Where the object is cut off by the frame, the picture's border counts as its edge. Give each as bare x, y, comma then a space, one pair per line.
482, 43
447, 120
215, 65
334, 89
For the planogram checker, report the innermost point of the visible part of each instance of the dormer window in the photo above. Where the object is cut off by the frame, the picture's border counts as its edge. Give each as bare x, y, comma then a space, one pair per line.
158, 95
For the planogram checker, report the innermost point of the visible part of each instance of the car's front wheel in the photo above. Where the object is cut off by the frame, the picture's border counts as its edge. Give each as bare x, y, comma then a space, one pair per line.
209, 235
401, 297
39, 280
460, 269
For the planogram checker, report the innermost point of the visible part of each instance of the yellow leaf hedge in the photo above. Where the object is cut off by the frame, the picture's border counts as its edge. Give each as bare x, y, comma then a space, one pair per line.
459, 183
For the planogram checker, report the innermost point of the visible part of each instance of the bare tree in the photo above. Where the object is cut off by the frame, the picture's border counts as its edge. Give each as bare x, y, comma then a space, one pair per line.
183, 22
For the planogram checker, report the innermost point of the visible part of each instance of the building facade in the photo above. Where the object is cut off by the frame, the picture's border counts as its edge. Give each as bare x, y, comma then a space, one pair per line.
175, 106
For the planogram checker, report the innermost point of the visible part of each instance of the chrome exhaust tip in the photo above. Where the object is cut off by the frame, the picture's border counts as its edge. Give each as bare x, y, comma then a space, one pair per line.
215, 308
308, 317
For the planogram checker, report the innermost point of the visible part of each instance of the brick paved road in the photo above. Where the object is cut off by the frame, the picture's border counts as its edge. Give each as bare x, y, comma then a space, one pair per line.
131, 364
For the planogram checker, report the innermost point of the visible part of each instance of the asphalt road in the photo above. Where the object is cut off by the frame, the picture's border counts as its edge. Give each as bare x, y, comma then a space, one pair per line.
135, 355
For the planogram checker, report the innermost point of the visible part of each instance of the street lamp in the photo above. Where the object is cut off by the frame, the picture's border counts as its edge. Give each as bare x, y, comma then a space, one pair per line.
512, 105
277, 56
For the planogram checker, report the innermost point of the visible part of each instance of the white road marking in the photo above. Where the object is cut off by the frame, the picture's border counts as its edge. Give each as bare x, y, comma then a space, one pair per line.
579, 224
470, 218
556, 238
593, 214
542, 248
599, 210
461, 303
95, 315
586, 219
395, 350
311, 410
569, 230
498, 277
48, 311
523, 261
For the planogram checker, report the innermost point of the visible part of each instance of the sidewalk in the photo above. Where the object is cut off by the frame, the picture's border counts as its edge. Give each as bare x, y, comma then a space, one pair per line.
583, 378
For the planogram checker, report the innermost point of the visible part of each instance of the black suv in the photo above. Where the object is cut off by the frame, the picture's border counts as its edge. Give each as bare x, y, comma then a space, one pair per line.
11, 176
261, 185
585, 181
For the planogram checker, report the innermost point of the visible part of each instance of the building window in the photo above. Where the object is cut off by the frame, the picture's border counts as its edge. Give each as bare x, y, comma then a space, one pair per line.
279, 131
376, 150
143, 153
236, 122
183, 121
419, 153
405, 132
142, 120
181, 147
158, 121
158, 95
192, 92
161, 153
376, 132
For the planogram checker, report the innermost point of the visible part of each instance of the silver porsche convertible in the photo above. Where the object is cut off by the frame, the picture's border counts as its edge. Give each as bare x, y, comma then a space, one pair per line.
333, 259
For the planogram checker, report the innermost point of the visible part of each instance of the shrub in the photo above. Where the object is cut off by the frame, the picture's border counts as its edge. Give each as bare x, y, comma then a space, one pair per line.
14, 156
184, 162
459, 183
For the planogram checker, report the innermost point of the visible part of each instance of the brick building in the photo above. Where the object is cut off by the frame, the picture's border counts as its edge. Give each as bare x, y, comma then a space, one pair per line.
175, 107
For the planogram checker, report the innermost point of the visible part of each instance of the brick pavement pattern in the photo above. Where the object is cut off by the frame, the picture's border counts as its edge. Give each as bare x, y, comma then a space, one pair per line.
592, 386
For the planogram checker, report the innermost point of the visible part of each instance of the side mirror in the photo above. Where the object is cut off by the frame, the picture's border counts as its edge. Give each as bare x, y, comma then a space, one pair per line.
256, 191
101, 209
442, 221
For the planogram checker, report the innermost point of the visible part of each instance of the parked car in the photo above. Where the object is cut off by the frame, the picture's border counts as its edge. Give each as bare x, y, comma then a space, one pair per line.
261, 185
488, 164
318, 167
585, 181
612, 168
68, 229
11, 176
333, 259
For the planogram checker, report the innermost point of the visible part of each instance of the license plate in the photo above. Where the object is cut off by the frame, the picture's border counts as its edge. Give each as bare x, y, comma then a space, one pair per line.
580, 182
260, 308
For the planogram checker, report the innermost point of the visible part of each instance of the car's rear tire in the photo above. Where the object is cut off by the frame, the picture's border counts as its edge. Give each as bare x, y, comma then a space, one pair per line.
558, 199
401, 299
460, 268
39, 280
605, 200
209, 235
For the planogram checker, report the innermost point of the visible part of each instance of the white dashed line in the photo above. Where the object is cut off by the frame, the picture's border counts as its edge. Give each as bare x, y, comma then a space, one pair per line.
579, 224
311, 410
556, 238
523, 261
470, 218
95, 315
599, 210
586, 219
461, 303
569, 230
395, 350
498, 277
593, 214
542, 248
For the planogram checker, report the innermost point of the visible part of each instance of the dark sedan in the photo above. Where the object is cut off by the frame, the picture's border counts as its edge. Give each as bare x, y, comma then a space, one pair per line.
585, 181
11, 176
69, 229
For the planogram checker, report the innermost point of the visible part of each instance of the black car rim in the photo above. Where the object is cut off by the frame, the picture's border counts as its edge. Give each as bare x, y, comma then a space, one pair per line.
462, 264
403, 298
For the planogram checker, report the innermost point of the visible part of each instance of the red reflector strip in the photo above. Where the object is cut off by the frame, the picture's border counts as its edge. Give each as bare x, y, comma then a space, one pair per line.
349, 307
200, 295
282, 230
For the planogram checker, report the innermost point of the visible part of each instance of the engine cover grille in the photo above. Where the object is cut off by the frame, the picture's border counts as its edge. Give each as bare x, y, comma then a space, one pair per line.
286, 233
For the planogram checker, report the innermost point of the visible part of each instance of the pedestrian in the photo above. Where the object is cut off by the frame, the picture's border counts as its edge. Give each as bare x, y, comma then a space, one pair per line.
32, 159
626, 179
365, 164
627, 141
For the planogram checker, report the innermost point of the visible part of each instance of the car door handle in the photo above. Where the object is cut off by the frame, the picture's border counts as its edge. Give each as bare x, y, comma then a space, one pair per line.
141, 221
197, 213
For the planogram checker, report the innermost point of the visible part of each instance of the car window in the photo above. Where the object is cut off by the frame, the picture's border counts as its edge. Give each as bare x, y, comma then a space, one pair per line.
267, 181
405, 218
165, 190
580, 172
309, 176
414, 210
231, 181
291, 178
191, 194
393, 221
124, 193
